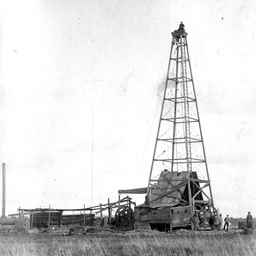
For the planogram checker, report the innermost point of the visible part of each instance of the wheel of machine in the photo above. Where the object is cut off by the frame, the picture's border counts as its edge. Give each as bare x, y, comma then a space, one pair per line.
124, 216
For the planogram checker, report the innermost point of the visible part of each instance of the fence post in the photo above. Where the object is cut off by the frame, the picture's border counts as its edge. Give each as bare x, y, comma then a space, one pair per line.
49, 217
100, 212
84, 216
31, 221
60, 221
109, 212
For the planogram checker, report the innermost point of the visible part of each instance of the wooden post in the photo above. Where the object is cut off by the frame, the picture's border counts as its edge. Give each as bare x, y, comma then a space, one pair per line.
192, 214
171, 217
119, 197
84, 215
19, 212
110, 216
31, 221
100, 212
109, 211
49, 217
60, 220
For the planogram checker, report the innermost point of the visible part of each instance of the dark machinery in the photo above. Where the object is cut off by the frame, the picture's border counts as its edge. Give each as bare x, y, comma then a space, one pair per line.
124, 217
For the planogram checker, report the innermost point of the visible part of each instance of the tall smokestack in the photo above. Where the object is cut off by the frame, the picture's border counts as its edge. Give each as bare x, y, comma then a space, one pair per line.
4, 190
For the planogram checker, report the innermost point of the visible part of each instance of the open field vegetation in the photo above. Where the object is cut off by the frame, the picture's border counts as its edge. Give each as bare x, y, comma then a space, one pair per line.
139, 245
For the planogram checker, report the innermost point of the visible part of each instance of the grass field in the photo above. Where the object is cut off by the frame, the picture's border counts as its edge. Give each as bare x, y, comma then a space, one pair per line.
142, 245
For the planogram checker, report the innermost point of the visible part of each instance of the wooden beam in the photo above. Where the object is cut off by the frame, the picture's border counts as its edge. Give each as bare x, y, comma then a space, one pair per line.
201, 201
171, 191
133, 191
31, 221
93, 208
200, 190
84, 216
198, 180
49, 218
101, 212
182, 200
109, 211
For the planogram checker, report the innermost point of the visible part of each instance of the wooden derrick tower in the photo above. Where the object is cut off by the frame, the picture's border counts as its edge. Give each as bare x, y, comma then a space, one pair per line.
179, 146
179, 184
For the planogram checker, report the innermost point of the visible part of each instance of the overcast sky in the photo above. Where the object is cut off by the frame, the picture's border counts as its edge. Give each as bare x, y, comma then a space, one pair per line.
80, 92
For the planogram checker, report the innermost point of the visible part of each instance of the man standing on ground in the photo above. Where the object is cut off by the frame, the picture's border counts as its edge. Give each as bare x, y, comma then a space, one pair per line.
249, 220
195, 221
211, 221
220, 221
226, 220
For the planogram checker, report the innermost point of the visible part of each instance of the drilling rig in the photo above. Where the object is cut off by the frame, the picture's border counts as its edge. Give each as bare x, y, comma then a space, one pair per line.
179, 191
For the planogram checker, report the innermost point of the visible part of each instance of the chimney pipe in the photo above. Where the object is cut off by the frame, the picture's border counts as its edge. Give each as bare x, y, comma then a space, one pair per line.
4, 190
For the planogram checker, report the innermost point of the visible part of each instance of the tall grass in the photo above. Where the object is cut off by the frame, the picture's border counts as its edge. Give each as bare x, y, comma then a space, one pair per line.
41, 245
191, 245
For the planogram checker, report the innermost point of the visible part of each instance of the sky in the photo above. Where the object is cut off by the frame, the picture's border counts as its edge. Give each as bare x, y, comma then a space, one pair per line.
81, 85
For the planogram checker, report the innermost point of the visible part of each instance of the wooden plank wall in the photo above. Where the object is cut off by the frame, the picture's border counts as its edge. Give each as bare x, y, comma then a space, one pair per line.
78, 219
40, 219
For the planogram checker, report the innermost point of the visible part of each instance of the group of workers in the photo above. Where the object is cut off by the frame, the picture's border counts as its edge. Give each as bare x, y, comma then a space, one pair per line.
218, 222
248, 223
